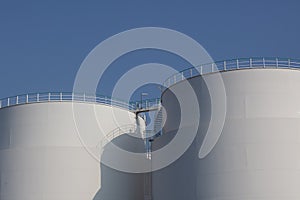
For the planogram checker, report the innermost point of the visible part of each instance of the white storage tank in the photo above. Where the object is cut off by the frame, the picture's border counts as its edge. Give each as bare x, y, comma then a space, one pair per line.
42, 156
257, 154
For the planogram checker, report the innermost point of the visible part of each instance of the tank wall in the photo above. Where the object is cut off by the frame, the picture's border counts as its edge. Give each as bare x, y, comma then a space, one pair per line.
257, 155
179, 179
42, 155
120, 185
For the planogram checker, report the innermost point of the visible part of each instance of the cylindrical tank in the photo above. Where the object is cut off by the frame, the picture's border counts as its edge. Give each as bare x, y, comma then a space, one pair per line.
257, 154
42, 156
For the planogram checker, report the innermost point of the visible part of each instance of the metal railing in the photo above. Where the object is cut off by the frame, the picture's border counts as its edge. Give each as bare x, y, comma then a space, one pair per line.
128, 128
227, 65
147, 103
68, 96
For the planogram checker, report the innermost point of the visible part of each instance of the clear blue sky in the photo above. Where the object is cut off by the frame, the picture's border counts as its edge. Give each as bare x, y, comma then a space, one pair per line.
42, 43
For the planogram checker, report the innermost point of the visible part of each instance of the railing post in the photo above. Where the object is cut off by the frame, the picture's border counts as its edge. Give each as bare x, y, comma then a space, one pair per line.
0, 104
60, 96
37, 97
237, 64
17, 100
49, 96
191, 72
224, 65
250, 62
174, 78
130, 106
182, 76
276, 62
212, 67
84, 97
289, 63
27, 98
8, 101
201, 70
264, 63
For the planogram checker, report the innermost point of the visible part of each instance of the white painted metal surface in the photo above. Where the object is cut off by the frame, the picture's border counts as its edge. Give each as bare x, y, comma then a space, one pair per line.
74, 97
257, 155
234, 64
42, 156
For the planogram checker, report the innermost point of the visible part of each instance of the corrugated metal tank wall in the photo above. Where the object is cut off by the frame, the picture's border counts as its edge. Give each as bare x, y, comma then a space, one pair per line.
257, 155
42, 157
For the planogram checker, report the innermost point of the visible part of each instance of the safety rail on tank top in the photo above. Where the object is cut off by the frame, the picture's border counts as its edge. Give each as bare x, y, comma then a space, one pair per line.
146, 105
74, 97
235, 64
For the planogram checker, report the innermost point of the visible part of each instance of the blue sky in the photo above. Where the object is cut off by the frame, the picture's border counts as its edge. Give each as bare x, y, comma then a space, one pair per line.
42, 43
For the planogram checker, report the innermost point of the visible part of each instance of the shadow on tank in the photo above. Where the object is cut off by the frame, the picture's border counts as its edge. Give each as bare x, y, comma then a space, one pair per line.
179, 180
117, 185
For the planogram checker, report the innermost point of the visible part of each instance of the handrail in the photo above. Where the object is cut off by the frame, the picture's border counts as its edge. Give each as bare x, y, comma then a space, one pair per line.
145, 104
234, 64
220, 66
73, 97
128, 128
